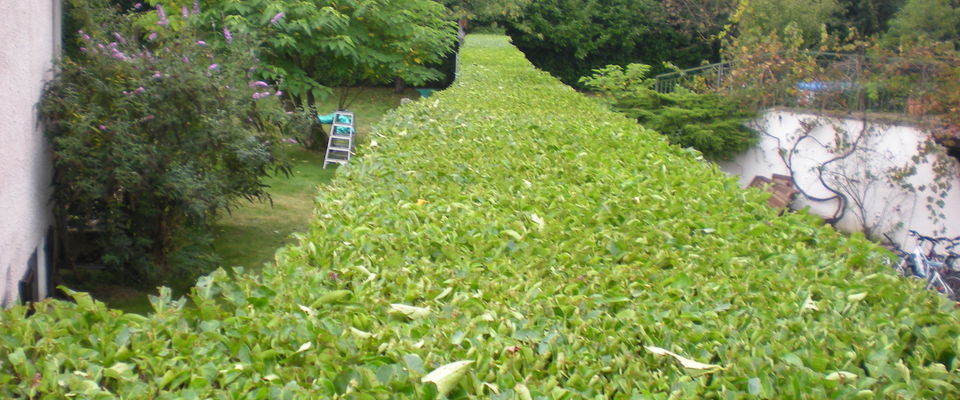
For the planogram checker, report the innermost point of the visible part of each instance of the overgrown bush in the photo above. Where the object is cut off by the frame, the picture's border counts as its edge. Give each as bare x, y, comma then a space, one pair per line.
154, 132
707, 122
550, 248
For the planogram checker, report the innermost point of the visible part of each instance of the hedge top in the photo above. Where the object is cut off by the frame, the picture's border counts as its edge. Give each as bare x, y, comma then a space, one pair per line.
520, 241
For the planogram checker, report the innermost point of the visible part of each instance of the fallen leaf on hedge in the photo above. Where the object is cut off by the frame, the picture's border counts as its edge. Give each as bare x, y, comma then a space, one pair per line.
523, 393
809, 304
857, 296
307, 310
686, 362
304, 347
409, 311
447, 376
360, 334
841, 375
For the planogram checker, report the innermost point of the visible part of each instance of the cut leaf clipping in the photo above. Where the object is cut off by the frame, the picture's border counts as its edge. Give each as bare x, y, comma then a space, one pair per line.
409, 311
447, 376
686, 362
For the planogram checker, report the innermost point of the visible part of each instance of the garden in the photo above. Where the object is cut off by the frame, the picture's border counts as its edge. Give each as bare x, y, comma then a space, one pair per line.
590, 259
508, 237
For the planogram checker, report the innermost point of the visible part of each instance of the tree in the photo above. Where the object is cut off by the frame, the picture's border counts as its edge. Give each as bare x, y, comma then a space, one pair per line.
702, 19
313, 46
154, 133
755, 20
868, 17
570, 38
925, 20
486, 10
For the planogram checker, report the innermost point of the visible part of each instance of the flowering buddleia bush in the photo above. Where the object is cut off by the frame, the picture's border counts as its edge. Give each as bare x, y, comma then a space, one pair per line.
154, 132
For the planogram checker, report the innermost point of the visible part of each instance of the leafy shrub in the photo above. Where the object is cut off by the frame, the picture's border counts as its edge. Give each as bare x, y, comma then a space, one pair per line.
708, 122
514, 223
154, 132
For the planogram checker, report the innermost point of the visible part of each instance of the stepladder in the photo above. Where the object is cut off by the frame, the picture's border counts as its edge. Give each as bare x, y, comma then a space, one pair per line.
340, 142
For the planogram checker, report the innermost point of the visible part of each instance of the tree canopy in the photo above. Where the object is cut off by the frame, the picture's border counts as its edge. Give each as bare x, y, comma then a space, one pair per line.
570, 38
310, 46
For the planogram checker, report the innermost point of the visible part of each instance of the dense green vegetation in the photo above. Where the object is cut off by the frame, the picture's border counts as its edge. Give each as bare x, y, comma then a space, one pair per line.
164, 115
154, 133
708, 122
555, 247
569, 38
250, 233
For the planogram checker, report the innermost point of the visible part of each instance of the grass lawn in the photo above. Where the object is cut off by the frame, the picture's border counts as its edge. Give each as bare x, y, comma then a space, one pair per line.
249, 235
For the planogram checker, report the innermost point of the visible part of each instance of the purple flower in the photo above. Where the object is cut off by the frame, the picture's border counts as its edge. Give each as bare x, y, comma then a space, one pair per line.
161, 16
119, 37
139, 90
278, 93
157, 75
213, 67
201, 43
196, 6
152, 36
137, 6
184, 13
186, 59
101, 46
276, 18
227, 35
102, 127
260, 95
258, 84
83, 49
85, 36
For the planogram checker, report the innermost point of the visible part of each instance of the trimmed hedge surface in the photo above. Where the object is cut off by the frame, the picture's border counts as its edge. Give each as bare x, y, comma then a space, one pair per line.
558, 247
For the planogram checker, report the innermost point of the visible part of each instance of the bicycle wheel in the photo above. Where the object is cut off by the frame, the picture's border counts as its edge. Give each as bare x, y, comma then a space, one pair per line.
952, 280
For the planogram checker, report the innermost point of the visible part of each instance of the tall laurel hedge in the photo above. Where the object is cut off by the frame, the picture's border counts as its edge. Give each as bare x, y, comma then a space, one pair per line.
557, 249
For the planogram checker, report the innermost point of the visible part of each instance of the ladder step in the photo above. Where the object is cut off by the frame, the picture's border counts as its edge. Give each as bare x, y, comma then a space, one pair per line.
335, 148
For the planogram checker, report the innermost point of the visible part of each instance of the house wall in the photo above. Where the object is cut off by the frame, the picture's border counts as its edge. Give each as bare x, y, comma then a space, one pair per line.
889, 208
29, 41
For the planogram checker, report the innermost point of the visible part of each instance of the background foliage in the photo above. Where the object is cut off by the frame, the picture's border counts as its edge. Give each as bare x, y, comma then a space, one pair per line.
570, 38
312, 46
707, 122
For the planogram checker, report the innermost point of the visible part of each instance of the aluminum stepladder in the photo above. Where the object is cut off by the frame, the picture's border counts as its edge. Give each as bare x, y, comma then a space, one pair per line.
340, 142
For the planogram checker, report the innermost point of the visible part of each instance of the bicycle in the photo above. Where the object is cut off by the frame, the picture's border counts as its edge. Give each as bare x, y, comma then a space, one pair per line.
937, 268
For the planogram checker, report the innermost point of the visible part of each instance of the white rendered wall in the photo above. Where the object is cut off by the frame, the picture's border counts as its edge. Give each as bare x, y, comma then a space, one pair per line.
891, 209
29, 41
